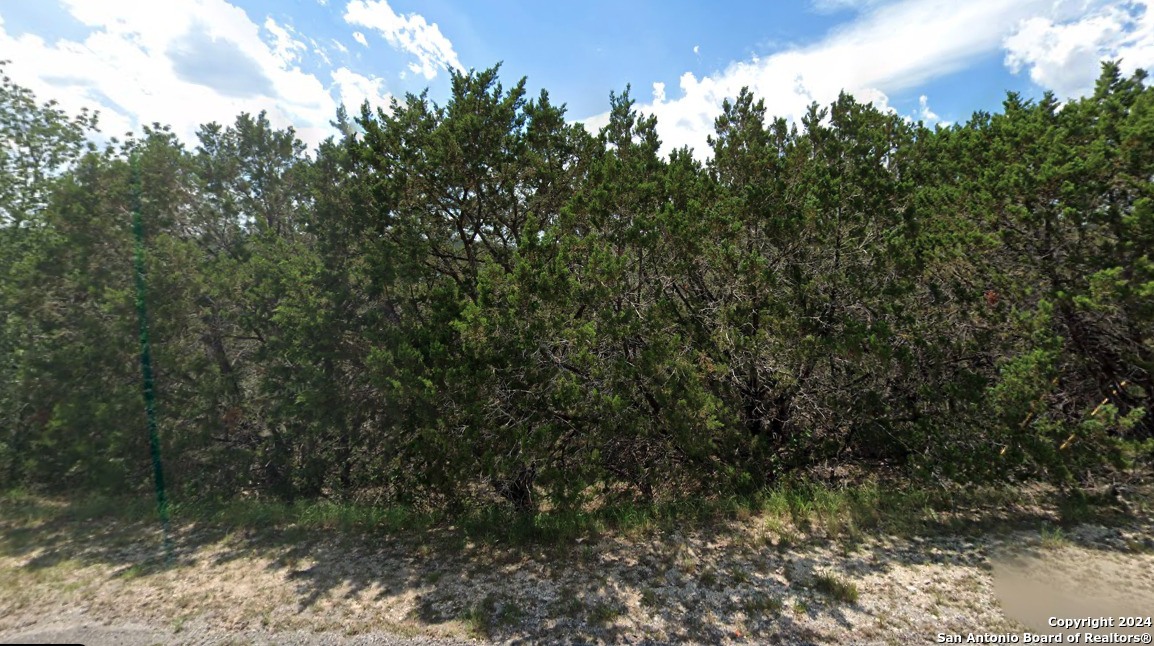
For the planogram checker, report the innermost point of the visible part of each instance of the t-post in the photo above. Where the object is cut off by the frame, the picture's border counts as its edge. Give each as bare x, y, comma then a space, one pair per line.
146, 361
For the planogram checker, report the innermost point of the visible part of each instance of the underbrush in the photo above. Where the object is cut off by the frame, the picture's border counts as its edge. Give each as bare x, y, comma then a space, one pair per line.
808, 507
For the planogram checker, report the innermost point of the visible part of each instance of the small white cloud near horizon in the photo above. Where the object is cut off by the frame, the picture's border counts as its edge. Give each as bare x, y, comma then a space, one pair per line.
409, 33
924, 111
658, 92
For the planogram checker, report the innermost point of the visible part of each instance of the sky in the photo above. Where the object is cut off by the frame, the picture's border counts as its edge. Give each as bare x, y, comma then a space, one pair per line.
188, 62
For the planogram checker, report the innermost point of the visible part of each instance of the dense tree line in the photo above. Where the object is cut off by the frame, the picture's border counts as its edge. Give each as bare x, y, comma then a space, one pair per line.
451, 302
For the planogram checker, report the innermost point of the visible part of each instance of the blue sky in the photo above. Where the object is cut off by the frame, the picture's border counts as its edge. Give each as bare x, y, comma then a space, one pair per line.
184, 62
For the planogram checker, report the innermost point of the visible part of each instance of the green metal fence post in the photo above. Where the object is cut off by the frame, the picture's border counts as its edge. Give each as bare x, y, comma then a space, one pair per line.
146, 361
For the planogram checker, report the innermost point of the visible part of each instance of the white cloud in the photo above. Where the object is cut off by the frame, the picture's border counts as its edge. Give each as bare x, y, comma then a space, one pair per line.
410, 33
658, 92
360, 38
924, 111
696, 49
355, 89
1066, 56
830, 6
886, 49
182, 63
341, 46
322, 54
284, 46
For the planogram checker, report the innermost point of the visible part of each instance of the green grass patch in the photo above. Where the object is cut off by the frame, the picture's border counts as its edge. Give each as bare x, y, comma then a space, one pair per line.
604, 613
1053, 538
739, 576
482, 619
134, 571
836, 587
787, 510
760, 604
478, 617
568, 604
708, 578
649, 598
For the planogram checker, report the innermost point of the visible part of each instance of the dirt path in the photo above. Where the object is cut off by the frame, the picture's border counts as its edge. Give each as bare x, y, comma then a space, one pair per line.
751, 582
1073, 580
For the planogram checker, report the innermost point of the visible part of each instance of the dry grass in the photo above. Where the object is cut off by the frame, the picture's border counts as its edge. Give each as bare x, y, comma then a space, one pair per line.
693, 581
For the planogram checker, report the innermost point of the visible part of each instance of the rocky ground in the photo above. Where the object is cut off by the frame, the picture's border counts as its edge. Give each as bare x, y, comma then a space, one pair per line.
755, 580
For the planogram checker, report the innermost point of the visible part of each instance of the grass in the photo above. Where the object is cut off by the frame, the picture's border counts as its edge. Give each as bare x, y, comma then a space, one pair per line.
1079, 506
509, 615
487, 524
1053, 538
773, 518
785, 509
708, 578
604, 613
649, 598
739, 576
568, 603
134, 571
836, 587
479, 617
760, 604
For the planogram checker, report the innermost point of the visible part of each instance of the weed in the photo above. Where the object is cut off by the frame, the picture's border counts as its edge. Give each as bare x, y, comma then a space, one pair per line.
479, 617
509, 614
133, 571
830, 584
708, 578
688, 564
774, 525
649, 598
1138, 546
604, 613
568, 603
72, 586
850, 547
938, 599
1053, 538
760, 604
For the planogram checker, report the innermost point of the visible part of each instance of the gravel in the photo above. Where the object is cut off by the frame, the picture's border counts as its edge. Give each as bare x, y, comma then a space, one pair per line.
737, 583
91, 634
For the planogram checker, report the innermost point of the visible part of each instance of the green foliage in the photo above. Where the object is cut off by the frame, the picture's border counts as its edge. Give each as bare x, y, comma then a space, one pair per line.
479, 308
